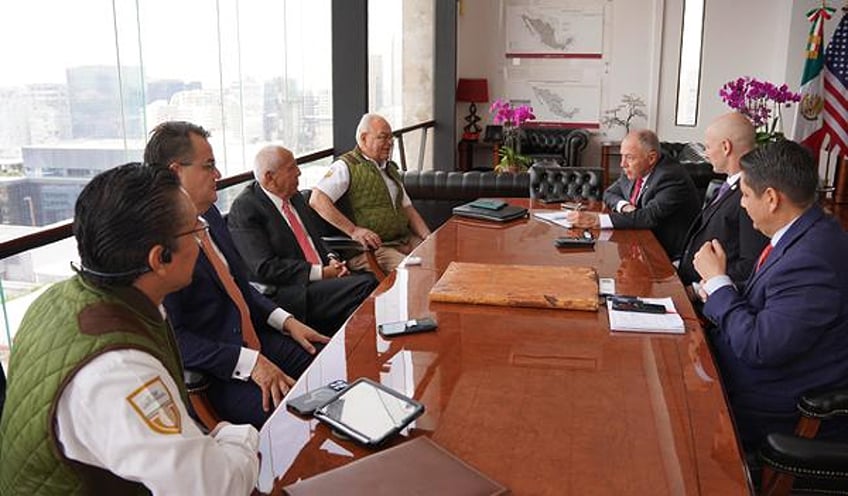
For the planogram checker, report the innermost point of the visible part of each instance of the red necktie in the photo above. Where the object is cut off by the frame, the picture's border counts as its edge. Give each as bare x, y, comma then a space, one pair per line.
300, 235
763, 256
247, 330
634, 196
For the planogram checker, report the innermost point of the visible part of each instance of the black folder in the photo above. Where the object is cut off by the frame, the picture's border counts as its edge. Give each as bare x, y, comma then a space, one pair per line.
507, 213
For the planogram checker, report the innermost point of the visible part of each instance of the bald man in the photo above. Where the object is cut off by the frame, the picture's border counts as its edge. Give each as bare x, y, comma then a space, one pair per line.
272, 228
727, 139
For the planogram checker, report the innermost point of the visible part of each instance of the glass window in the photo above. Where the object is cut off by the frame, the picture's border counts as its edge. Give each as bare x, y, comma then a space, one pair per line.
689, 76
82, 83
401, 40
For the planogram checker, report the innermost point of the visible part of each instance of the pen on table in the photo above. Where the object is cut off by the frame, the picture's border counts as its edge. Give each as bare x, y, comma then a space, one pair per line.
574, 207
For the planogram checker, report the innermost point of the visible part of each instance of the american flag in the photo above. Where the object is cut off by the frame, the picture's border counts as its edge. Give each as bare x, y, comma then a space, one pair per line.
835, 84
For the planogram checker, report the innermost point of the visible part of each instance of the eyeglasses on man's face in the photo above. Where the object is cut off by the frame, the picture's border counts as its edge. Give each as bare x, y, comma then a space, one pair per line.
208, 166
199, 228
383, 137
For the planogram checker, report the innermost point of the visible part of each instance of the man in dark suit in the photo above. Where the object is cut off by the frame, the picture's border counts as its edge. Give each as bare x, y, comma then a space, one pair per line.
272, 227
250, 347
727, 139
654, 192
786, 332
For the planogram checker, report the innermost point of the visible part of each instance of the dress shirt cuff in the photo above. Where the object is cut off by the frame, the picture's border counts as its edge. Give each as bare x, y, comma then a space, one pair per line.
244, 365
606, 222
278, 318
621, 204
716, 283
239, 434
316, 273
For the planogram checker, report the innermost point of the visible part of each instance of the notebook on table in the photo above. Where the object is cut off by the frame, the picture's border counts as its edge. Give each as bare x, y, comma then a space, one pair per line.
483, 209
419, 466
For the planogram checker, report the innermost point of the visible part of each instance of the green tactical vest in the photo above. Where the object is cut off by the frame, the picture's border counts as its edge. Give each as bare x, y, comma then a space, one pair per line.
65, 328
370, 204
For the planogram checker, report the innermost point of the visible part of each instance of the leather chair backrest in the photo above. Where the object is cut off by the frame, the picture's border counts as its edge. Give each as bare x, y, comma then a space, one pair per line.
551, 182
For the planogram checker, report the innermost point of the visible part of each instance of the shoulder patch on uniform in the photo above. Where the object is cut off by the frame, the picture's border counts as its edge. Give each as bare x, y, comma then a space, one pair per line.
329, 173
155, 405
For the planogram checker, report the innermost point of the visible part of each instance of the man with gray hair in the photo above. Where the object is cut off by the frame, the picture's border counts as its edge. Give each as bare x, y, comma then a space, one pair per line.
653, 192
367, 184
273, 230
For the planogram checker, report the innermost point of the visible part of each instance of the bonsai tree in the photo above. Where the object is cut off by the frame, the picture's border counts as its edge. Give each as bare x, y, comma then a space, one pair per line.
631, 106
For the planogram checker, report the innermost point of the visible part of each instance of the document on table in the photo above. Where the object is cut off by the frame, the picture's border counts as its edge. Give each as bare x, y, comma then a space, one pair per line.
669, 322
554, 217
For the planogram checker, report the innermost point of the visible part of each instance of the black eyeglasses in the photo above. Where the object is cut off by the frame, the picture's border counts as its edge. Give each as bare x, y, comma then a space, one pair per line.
204, 226
209, 166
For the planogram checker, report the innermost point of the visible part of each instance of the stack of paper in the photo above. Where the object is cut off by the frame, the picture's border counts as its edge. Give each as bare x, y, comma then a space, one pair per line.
554, 217
669, 322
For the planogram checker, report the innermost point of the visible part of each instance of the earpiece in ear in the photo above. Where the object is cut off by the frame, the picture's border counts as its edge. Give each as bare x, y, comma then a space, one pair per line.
166, 255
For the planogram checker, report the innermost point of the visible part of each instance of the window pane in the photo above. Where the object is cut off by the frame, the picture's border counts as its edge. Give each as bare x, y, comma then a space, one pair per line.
689, 77
401, 41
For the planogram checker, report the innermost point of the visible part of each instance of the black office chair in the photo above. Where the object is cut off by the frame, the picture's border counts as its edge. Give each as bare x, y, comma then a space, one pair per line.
798, 464
550, 182
197, 383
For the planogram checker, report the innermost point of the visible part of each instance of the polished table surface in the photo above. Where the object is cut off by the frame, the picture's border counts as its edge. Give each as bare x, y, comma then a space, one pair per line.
543, 401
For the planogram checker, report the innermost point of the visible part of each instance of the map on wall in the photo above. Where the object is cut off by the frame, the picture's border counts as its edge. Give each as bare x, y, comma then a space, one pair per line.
567, 93
547, 29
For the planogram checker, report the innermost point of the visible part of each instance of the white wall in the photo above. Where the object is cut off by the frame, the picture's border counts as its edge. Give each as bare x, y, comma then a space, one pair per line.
761, 38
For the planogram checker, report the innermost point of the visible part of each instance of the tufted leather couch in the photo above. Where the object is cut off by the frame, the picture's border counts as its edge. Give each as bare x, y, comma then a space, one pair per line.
551, 182
435, 193
565, 146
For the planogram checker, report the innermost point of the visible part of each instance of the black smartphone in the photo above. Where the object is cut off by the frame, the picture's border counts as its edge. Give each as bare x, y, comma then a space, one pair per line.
585, 239
306, 404
407, 327
637, 306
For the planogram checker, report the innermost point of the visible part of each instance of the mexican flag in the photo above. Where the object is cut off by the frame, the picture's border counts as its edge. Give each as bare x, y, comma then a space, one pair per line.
808, 117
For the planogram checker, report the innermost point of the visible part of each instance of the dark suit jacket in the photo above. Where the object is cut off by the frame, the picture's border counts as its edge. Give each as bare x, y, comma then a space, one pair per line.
667, 205
205, 320
787, 331
269, 247
729, 223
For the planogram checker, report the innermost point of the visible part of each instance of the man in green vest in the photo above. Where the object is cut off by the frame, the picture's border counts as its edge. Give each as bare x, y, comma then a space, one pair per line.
368, 186
96, 402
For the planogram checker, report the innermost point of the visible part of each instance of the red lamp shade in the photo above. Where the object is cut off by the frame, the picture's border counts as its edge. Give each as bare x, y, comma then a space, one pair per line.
472, 90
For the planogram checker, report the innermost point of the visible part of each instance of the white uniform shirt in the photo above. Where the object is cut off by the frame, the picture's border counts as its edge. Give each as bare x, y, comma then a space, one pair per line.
107, 417
335, 183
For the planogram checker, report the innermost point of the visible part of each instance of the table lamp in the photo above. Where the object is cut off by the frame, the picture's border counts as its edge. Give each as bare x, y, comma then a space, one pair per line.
473, 91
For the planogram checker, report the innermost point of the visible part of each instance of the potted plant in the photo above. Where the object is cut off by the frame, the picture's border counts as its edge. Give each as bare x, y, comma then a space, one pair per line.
631, 106
510, 151
760, 102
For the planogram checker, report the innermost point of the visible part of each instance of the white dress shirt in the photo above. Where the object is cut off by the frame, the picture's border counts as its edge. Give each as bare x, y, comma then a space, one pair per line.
335, 183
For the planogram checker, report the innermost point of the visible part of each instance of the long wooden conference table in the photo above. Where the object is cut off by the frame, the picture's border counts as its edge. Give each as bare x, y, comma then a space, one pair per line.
542, 401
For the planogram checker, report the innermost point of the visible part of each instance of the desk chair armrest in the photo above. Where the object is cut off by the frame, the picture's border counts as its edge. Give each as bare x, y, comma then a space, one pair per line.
197, 383
350, 247
824, 405
804, 457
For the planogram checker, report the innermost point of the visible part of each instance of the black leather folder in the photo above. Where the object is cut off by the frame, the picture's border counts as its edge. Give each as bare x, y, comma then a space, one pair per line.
507, 213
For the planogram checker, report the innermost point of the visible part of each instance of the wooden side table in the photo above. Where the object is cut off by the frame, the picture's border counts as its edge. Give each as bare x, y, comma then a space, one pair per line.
610, 150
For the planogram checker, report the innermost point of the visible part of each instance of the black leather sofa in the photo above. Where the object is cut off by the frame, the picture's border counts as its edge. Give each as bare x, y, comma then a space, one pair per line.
435, 193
